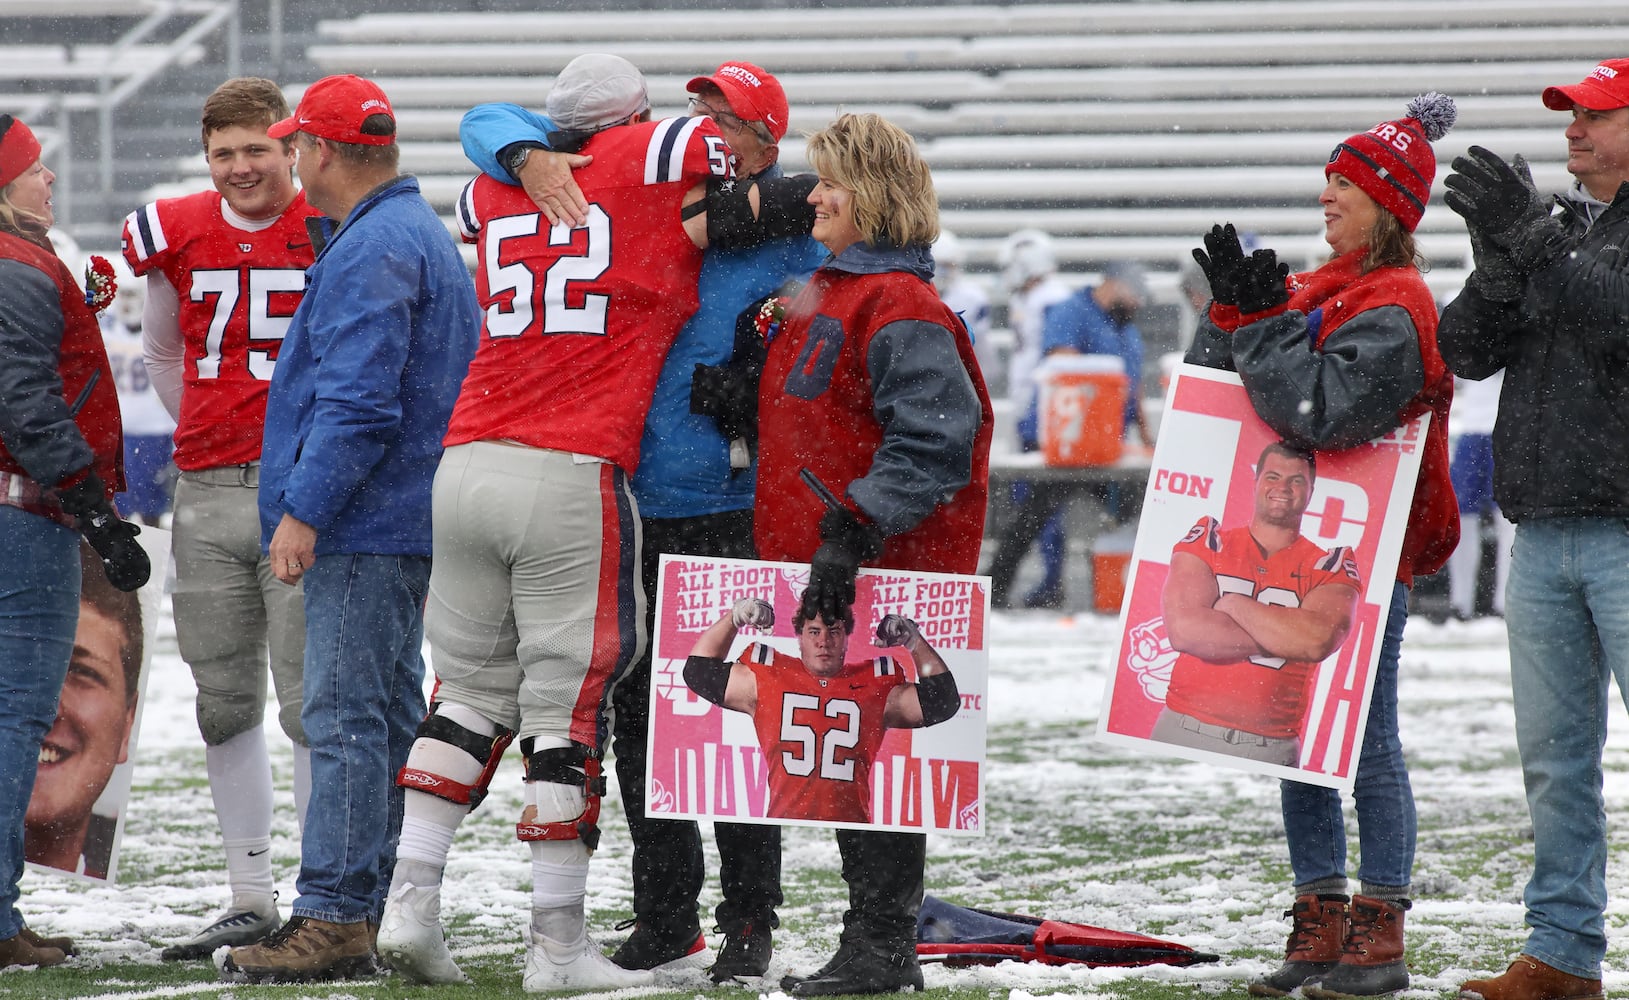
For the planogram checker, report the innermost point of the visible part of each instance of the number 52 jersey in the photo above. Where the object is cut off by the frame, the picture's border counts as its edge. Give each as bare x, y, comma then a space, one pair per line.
820, 735
579, 319
238, 289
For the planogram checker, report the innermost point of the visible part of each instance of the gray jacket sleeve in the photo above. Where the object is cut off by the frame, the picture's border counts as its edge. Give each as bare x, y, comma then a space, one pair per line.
1212, 346
930, 413
35, 422
1475, 335
1349, 391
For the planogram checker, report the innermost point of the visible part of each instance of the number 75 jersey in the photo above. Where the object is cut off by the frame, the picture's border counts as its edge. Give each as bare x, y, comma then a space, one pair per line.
820, 735
238, 289
579, 319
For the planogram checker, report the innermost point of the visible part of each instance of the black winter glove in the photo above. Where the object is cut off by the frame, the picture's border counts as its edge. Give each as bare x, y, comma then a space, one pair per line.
1262, 283
1499, 199
113, 539
1495, 276
1221, 260
845, 543
729, 394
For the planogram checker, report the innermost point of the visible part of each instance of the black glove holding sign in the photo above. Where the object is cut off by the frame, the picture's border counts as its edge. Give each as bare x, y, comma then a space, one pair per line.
845, 543
113, 539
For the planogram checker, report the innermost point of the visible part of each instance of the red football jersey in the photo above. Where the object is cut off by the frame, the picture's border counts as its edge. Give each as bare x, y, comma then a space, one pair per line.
819, 736
579, 320
238, 291
1265, 694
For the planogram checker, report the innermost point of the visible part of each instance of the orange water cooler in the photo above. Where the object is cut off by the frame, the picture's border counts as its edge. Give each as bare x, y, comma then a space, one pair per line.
1082, 408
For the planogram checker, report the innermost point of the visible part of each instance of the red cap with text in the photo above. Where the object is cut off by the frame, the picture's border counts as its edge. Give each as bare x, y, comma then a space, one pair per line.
1393, 163
335, 108
1606, 88
754, 95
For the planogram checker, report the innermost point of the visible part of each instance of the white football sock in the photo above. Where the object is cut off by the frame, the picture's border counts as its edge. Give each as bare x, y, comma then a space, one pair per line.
241, 787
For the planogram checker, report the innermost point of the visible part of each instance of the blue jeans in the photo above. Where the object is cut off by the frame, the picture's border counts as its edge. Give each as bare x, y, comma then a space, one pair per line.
364, 700
1567, 612
39, 611
1313, 823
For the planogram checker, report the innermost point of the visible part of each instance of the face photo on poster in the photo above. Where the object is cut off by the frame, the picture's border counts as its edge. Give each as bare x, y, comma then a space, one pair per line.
822, 726
75, 818
1258, 590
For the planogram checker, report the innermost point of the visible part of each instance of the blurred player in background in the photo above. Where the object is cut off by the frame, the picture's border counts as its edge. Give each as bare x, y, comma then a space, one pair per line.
149, 429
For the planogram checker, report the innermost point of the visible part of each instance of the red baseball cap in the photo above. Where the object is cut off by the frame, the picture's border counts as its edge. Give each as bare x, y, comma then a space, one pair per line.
1606, 88
18, 149
754, 95
335, 108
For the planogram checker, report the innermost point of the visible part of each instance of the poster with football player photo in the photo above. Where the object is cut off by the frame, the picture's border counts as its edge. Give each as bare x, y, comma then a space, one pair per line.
758, 715
1258, 589
75, 817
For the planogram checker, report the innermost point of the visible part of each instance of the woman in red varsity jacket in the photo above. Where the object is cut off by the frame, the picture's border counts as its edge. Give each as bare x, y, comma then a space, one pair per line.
871, 384
1332, 358
60, 461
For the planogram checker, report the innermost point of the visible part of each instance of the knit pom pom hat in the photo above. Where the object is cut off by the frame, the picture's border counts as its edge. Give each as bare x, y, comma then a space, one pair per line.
1393, 162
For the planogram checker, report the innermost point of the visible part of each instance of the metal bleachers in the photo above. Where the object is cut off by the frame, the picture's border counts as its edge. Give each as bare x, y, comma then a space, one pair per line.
1123, 128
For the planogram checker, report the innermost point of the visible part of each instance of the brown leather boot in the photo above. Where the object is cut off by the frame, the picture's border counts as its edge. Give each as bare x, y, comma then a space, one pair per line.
19, 950
1371, 961
302, 950
60, 943
1316, 935
1529, 979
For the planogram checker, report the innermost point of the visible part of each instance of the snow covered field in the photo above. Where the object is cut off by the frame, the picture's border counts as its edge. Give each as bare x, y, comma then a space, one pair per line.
1074, 831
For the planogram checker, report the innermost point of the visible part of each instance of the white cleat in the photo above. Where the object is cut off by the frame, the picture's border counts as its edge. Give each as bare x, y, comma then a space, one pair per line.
551, 966
410, 937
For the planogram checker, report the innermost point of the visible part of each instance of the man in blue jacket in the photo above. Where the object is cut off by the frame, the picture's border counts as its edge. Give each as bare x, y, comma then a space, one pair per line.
694, 487
366, 380
1100, 319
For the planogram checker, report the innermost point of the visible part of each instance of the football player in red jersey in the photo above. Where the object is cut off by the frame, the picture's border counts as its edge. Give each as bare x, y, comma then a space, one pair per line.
820, 719
225, 270
1253, 610
535, 609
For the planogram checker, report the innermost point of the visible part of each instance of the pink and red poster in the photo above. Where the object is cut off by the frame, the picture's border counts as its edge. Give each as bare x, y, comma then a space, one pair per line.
1212, 478
706, 761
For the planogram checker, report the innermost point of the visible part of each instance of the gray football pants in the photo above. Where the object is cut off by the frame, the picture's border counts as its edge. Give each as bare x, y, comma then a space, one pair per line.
232, 615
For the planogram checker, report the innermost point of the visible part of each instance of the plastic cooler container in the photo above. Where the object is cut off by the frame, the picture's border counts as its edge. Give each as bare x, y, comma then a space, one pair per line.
1111, 563
1082, 406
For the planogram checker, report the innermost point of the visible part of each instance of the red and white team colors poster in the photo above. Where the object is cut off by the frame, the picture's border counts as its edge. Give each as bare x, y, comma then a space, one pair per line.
808, 751
1250, 525
75, 818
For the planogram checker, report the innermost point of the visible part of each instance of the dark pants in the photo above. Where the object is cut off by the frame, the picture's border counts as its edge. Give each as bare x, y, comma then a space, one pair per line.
884, 875
667, 859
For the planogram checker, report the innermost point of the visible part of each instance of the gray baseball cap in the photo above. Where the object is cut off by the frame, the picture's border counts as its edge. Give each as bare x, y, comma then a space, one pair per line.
594, 91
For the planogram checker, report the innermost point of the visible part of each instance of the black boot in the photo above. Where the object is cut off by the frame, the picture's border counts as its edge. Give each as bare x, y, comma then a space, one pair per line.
864, 969
878, 950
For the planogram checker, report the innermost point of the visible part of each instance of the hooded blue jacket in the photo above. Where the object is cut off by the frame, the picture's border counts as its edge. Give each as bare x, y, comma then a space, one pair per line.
367, 377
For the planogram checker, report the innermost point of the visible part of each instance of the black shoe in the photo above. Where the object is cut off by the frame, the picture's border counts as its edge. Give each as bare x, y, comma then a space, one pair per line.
648, 948
745, 953
863, 970
1288, 977
1048, 596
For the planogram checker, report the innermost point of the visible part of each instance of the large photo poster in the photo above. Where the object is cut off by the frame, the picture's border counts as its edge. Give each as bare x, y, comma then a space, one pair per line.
807, 731
75, 817
1258, 590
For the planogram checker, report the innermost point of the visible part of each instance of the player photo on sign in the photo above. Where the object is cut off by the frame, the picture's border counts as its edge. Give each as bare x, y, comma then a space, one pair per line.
873, 722
1258, 591
75, 817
